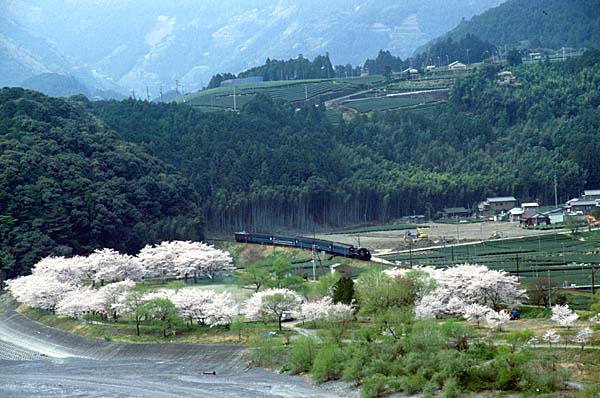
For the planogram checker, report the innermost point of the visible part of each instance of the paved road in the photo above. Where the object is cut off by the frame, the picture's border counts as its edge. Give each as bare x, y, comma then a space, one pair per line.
38, 361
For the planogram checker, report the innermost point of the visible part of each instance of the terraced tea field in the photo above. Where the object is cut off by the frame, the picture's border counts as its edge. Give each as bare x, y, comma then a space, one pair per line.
565, 258
387, 103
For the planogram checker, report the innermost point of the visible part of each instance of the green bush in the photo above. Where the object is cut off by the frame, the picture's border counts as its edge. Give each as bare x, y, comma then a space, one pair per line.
328, 364
409, 384
374, 386
359, 357
268, 353
303, 353
451, 389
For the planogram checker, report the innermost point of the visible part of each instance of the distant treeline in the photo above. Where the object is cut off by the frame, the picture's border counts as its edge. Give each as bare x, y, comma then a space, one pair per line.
469, 49
271, 167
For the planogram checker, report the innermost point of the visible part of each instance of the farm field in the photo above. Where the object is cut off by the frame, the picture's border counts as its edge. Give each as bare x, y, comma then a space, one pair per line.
289, 90
564, 258
386, 103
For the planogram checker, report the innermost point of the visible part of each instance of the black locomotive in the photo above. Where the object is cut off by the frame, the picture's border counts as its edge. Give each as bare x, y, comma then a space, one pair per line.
336, 248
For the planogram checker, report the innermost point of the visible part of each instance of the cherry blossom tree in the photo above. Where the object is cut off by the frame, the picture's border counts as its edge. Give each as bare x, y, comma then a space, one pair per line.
39, 290
112, 297
271, 304
182, 259
108, 265
326, 310
194, 304
79, 301
551, 337
475, 313
495, 319
564, 316
583, 336
468, 284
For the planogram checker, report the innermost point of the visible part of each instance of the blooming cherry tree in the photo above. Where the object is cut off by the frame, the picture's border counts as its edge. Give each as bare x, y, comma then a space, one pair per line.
564, 316
551, 337
495, 319
39, 290
466, 284
583, 336
79, 301
271, 304
326, 310
475, 313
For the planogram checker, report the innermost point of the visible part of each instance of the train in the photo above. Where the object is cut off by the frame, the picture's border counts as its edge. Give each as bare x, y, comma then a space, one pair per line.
335, 248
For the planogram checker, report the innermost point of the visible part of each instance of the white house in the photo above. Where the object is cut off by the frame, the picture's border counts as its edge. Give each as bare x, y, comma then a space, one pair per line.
456, 65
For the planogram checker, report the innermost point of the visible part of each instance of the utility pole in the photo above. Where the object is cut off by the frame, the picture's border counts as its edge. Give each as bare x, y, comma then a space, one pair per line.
234, 100
555, 192
549, 290
177, 86
593, 279
133, 94
161, 93
306, 92
314, 262
517, 265
147, 94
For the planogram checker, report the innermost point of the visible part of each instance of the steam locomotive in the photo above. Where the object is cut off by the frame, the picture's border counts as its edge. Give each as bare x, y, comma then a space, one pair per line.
335, 248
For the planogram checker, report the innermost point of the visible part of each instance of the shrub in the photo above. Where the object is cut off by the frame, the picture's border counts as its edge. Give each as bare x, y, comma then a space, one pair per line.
451, 389
303, 353
268, 353
374, 386
328, 364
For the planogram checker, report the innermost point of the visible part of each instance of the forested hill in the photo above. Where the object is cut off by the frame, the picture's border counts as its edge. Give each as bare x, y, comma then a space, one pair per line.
69, 186
537, 24
272, 167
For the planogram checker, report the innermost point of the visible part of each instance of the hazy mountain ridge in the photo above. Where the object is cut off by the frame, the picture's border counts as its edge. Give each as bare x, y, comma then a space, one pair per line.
122, 43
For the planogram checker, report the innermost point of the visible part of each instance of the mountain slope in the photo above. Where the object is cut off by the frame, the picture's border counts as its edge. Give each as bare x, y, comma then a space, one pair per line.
69, 186
537, 23
189, 41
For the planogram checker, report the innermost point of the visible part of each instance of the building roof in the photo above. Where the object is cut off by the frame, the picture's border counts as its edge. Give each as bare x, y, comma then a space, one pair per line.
454, 210
456, 63
532, 204
591, 192
502, 199
584, 203
517, 211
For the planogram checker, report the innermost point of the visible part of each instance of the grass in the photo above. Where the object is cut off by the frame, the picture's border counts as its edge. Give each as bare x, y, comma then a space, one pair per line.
376, 228
124, 331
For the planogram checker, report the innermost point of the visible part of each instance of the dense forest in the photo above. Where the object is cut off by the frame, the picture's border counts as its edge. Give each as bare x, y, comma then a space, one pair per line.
292, 69
272, 166
77, 175
68, 186
537, 24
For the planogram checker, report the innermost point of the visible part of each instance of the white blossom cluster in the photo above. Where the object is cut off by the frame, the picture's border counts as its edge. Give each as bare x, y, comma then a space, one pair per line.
564, 316
460, 286
326, 310
63, 284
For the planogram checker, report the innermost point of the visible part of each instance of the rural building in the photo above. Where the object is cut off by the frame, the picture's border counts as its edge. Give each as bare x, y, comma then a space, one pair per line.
456, 65
506, 78
341, 269
533, 219
497, 205
575, 206
591, 194
455, 212
515, 214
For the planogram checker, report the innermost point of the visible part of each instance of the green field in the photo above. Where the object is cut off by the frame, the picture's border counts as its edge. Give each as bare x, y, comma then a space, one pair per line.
386, 103
292, 91
563, 257
375, 228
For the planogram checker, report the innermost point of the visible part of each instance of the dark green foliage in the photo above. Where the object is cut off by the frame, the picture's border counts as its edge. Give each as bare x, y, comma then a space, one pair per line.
537, 24
343, 290
69, 186
513, 57
467, 49
293, 69
272, 166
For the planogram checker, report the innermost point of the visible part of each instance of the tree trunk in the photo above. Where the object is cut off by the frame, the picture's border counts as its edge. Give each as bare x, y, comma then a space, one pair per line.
279, 320
137, 325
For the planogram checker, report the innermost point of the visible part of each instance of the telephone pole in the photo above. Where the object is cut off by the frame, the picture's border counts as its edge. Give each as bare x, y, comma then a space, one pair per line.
147, 94
555, 192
